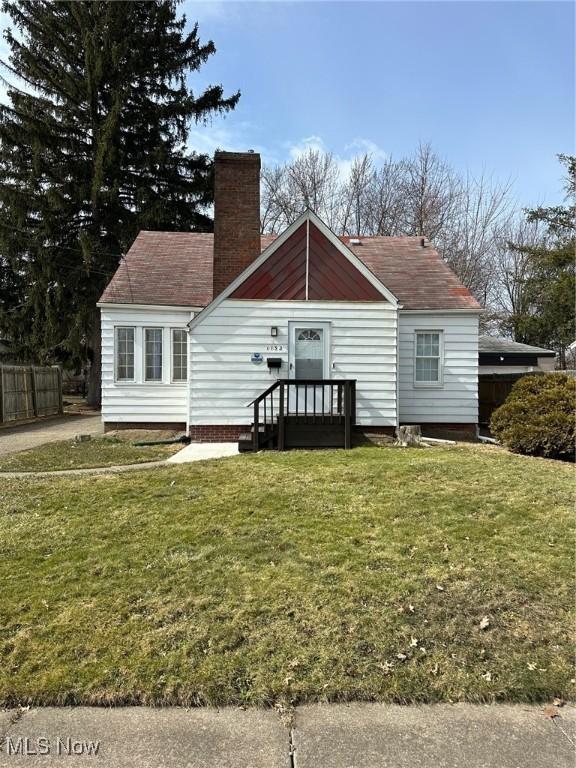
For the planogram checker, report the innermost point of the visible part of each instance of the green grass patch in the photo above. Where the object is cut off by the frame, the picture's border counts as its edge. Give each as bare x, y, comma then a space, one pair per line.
72, 454
292, 577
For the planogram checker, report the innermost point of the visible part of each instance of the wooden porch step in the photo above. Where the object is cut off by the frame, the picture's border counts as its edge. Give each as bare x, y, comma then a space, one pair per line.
245, 442
315, 428
246, 439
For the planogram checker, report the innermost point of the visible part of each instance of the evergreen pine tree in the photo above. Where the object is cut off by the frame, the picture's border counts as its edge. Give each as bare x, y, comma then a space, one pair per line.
549, 319
93, 148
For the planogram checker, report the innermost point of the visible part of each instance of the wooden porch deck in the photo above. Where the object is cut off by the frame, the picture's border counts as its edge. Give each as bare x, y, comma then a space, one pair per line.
315, 413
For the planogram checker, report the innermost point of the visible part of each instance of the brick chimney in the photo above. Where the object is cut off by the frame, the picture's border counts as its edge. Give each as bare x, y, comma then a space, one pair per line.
236, 215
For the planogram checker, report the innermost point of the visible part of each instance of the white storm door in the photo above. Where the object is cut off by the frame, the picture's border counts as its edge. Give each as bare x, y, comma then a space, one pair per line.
308, 356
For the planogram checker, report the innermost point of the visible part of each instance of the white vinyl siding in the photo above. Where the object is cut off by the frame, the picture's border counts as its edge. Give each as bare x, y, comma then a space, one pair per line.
140, 400
223, 380
179, 354
453, 400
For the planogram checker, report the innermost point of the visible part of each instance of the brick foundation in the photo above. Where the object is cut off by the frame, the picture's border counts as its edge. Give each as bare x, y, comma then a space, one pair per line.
223, 433
374, 430
448, 431
217, 433
427, 429
110, 426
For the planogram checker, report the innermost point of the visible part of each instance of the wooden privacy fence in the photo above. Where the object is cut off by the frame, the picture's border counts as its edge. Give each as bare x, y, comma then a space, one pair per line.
29, 391
493, 389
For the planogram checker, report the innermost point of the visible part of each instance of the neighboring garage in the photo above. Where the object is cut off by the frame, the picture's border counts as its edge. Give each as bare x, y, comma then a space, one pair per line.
501, 362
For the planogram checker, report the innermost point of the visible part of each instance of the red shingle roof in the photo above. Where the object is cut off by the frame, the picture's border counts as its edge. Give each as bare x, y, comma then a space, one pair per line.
172, 268
418, 276
175, 269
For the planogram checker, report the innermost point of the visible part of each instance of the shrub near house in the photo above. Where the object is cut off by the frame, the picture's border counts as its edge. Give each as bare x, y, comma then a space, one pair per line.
538, 418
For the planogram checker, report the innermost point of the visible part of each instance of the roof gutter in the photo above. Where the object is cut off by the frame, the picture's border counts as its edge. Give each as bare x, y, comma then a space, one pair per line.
112, 305
436, 311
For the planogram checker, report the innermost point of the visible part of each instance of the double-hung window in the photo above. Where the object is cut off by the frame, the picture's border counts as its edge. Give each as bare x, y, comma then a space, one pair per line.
179, 354
428, 358
152, 354
125, 354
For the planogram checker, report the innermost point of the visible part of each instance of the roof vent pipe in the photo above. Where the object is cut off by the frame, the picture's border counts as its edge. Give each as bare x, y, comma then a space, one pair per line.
423, 242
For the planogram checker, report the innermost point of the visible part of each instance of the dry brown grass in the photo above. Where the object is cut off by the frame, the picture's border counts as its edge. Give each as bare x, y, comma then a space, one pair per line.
291, 577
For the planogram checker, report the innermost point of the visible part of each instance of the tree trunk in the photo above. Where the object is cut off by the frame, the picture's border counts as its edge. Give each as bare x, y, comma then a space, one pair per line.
409, 435
94, 394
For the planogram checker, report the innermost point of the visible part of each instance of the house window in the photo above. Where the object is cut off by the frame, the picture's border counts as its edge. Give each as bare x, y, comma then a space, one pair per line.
125, 354
309, 354
428, 358
153, 354
179, 354
309, 335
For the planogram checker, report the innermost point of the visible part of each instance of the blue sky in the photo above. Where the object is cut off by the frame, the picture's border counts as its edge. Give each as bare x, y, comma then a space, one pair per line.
489, 84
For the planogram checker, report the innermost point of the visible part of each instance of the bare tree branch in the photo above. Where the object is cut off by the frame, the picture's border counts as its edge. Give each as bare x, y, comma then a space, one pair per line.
469, 219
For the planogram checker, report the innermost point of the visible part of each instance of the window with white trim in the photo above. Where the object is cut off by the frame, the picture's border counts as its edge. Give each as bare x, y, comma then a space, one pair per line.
428, 357
125, 354
179, 354
152, 354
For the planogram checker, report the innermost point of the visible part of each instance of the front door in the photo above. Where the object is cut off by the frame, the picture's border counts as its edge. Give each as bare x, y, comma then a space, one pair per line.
308, 359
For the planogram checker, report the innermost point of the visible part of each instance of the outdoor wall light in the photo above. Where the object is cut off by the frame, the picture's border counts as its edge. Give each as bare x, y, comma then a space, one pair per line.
273, 331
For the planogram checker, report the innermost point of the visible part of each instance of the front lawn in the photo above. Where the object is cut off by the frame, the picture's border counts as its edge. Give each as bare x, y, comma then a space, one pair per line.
72, 454
383, 574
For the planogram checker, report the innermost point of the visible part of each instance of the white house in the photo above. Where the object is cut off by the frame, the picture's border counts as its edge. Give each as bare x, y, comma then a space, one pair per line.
195, 327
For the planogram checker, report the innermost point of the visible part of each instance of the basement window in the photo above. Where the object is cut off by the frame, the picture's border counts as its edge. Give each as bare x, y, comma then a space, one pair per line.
428, 358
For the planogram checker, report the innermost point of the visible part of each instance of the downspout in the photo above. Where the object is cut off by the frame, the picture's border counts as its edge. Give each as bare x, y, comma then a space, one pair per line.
398, 308
307, 255
189, 377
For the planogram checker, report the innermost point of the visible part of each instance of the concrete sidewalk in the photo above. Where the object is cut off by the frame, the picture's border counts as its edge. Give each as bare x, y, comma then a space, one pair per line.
203, 451
192, 452
316, 736
32, 434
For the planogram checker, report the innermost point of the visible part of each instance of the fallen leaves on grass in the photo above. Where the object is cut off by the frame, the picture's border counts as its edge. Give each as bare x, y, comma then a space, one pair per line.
183, 606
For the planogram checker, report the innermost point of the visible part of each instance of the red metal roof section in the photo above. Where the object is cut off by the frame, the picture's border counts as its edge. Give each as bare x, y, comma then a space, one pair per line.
283, 274
331, 276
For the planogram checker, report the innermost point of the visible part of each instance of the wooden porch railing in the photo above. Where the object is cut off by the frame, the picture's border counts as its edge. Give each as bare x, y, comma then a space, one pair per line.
291, 402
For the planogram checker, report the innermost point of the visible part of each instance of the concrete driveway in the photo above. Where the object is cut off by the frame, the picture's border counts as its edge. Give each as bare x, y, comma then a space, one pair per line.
32, 434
